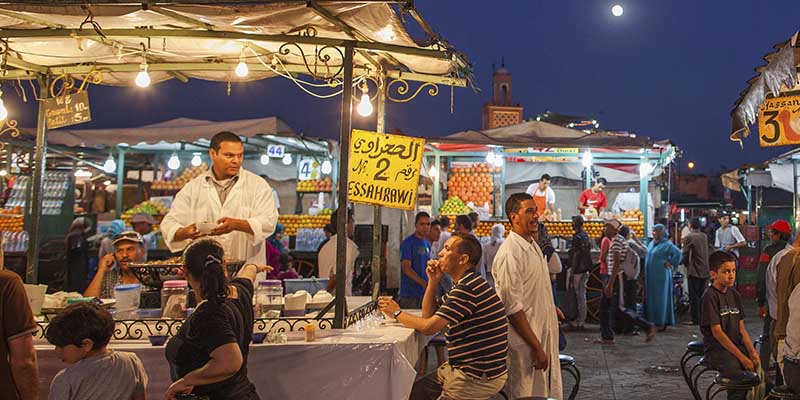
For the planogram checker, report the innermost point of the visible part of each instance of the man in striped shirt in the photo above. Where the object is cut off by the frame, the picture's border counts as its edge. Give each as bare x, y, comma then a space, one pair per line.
477, 340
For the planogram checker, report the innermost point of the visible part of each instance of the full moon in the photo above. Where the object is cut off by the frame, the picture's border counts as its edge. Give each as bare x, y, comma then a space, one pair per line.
617, 10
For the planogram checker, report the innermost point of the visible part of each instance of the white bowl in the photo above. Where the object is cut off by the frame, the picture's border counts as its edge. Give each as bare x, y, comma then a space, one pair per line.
206, 227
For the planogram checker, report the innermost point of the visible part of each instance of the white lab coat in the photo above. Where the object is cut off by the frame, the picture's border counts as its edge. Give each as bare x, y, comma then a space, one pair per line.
522, 281
250, 199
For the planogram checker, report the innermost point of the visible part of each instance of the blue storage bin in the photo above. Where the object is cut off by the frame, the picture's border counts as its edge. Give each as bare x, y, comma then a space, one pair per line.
310, 285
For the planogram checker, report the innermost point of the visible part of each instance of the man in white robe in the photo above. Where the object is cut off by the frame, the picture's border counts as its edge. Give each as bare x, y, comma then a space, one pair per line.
522, 281
238, 203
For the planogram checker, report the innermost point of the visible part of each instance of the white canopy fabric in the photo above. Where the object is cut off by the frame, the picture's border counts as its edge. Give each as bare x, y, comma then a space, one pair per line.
210, 34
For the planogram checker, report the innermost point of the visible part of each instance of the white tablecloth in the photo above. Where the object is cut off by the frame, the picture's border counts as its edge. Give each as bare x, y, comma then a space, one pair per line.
376, 364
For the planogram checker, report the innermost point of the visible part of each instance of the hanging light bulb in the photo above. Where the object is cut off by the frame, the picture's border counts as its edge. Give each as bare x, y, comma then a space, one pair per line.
327, 167
196, 160
287, 159
143, 78
498, 161
490, 157
174, 162
586, 159
110, 165
3, 111
433, 172
241, 68
264, 159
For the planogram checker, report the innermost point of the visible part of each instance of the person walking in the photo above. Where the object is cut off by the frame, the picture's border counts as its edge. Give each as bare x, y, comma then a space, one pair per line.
662, 257
695, 258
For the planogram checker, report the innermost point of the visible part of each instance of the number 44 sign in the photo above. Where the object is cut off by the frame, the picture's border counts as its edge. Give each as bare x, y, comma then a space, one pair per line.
384, 169
779, 122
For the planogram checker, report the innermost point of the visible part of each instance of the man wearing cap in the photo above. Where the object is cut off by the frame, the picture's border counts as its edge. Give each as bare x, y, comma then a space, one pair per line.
113, 268
143, 224
766, 295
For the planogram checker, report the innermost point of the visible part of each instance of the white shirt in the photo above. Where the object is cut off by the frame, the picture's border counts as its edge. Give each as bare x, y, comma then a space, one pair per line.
522, 280
326, 260
250, 199
772, 281
728, 237
792, 347
549, 194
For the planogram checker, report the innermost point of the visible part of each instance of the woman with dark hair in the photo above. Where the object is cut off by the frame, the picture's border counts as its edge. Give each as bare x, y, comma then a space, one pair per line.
208, 356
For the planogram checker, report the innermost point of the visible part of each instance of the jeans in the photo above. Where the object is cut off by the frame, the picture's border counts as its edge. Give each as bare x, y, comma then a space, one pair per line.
609, 309
579, 282
791, 370
727, 364
697, 286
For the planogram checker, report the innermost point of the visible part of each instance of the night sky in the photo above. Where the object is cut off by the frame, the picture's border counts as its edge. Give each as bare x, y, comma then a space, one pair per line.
666, 69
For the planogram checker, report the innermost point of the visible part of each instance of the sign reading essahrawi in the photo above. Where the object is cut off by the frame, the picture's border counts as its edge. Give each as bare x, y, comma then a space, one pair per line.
779, 122
384, 169
70, 109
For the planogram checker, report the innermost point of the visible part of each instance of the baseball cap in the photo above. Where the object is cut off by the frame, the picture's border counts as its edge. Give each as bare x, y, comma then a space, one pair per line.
130, 236
143, 217
781, 226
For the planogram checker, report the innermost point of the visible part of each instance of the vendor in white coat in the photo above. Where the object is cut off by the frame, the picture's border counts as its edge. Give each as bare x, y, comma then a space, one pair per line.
522, 280
240, 203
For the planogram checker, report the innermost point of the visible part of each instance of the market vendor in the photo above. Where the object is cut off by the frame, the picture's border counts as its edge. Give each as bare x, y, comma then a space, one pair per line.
239, 204
113, 270
544, 196
593, 199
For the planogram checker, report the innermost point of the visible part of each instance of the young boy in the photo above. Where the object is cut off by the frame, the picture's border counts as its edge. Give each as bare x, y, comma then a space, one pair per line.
728, 348
81, 334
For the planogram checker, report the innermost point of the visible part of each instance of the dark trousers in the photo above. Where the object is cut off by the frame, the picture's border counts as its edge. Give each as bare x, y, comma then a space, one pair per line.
609, 311
697, 286
727, 364
791, 374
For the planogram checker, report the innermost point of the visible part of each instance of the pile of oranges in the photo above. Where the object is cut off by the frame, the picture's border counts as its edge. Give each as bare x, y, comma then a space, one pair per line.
472, 184
11, 220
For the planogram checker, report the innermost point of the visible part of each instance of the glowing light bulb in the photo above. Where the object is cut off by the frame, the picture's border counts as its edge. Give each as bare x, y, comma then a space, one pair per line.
110, 165
174, 162
364, 106
617, 10
241, 69
143, 78
586, 159
287, 159
433, 172
327, 167
196, 160
264, 159
3, 111
490, 157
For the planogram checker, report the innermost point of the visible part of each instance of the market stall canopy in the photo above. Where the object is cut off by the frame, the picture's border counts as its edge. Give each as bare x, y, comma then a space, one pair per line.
780, 74
538, 133
205, 39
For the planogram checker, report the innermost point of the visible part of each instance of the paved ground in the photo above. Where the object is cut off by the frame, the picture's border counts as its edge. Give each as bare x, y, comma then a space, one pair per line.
625, 370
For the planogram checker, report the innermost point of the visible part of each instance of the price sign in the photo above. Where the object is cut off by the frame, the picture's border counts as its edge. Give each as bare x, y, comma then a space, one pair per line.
384, 169
275, 151
779, 122
66, 110
308, 168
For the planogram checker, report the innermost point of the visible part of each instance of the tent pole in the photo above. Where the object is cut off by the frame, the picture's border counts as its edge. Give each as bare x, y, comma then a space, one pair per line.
341, 213
120, 182
377, 225
37, 183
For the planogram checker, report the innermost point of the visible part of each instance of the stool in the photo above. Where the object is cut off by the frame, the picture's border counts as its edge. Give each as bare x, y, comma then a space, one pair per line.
783, 392
568, 364
744, 380
694, 376
694, 349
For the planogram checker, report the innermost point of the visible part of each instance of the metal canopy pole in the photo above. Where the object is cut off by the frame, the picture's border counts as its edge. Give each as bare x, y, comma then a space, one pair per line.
377, 225
37, 183
120, 182
341, 213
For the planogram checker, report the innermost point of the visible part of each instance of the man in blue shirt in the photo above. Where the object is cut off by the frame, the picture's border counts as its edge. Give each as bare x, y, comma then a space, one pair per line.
414, 255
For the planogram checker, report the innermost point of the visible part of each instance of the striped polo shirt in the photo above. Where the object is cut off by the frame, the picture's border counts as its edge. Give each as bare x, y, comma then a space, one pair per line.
477, 341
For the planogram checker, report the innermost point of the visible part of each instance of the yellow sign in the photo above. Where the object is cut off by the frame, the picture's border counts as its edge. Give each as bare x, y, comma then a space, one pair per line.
384, 169
779, 122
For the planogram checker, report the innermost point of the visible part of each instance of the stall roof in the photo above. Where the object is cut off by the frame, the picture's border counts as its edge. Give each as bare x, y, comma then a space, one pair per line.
205, 39
780, 74
539, 133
